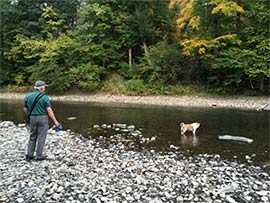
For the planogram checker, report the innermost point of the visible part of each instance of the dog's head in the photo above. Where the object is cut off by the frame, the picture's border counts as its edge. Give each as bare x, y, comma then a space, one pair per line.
182, 128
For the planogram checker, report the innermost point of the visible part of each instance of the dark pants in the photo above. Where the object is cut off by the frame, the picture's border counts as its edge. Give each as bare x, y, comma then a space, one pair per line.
38, 133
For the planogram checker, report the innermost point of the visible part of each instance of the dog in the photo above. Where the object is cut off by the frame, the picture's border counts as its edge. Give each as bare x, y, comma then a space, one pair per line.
189, 127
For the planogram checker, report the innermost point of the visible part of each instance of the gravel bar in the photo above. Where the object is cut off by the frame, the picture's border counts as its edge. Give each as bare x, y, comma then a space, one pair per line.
85, 170
240, 102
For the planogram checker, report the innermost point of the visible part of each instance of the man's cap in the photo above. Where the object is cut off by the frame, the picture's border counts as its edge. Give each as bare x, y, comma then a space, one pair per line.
40, 83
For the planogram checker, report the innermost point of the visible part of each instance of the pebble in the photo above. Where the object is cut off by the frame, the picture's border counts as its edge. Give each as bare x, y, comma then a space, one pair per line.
243, 102
248, 198
230, 199
20, 200
263, 193
265, 199
91, 170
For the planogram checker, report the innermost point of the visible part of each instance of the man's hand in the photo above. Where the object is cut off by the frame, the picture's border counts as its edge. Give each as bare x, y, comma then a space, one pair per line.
56, 123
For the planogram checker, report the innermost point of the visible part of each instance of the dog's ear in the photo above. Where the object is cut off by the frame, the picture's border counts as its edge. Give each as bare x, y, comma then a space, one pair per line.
182, 124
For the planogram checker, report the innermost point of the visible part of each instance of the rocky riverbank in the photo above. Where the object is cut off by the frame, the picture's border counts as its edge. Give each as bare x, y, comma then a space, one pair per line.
252, 103
85, 170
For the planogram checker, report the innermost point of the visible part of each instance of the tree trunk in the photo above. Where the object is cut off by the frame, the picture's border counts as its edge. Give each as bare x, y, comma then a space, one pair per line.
251, 84
147, 54
130, 58
261, 80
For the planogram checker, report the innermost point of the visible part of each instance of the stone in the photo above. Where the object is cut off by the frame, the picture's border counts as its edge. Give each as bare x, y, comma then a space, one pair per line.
20, 200
56, 196
248, 198
230, 199
263, 193
81, 197
128, 189
265, 199
92, 170
40, 193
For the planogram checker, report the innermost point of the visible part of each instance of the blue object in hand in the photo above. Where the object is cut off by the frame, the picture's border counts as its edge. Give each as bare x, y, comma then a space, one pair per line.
58, 128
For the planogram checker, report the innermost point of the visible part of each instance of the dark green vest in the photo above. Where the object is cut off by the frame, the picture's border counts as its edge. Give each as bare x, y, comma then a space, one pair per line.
40, 107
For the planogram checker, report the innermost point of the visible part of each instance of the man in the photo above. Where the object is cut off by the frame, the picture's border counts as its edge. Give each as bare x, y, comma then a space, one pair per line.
38, 119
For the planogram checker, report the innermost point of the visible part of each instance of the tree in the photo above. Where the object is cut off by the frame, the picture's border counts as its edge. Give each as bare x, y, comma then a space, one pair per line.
51, 24
9, 21
24, 23
54, 64
98, 34
220, 42
149, 22
206, 26
166, 60
220, 35
250, 59
44, 58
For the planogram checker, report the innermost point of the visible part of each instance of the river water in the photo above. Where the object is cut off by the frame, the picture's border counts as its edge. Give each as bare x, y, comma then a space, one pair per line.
163, 124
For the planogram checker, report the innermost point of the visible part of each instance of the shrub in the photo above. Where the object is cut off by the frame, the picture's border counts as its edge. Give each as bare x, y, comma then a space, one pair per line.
87, 76
114, 84
136, 85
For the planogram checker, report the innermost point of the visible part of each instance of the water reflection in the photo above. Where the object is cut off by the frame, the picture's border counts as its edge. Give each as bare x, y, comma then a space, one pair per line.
163, 123
189, 140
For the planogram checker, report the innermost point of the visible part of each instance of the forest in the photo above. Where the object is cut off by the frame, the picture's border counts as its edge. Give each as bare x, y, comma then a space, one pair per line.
136, 46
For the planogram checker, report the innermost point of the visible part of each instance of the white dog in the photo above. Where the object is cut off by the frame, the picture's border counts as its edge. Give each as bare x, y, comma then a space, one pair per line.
189, 127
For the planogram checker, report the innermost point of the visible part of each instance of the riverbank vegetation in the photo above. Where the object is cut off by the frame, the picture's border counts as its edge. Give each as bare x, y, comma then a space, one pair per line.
136, 47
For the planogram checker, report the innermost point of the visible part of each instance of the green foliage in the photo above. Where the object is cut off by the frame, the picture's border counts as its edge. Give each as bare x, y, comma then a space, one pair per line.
149, 21
54, 74
16, 88
50, 22
9, 20
230, 68
136, 46
136, 86
5, 76
166, 59
19, 79
54, 64
248, 62
87, 76
114, 84
176, 89
99, 33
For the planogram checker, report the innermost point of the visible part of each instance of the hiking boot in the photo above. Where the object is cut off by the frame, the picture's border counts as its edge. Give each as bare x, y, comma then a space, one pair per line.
41, 158
28, 158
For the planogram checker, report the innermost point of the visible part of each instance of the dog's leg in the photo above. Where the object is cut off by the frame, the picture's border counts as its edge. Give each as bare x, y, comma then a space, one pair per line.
194, 131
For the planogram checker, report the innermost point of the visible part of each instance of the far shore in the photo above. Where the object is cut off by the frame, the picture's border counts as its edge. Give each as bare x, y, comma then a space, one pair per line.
239, 102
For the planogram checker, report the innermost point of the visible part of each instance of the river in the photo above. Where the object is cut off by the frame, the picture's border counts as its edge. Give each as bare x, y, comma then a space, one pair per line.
163, 124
